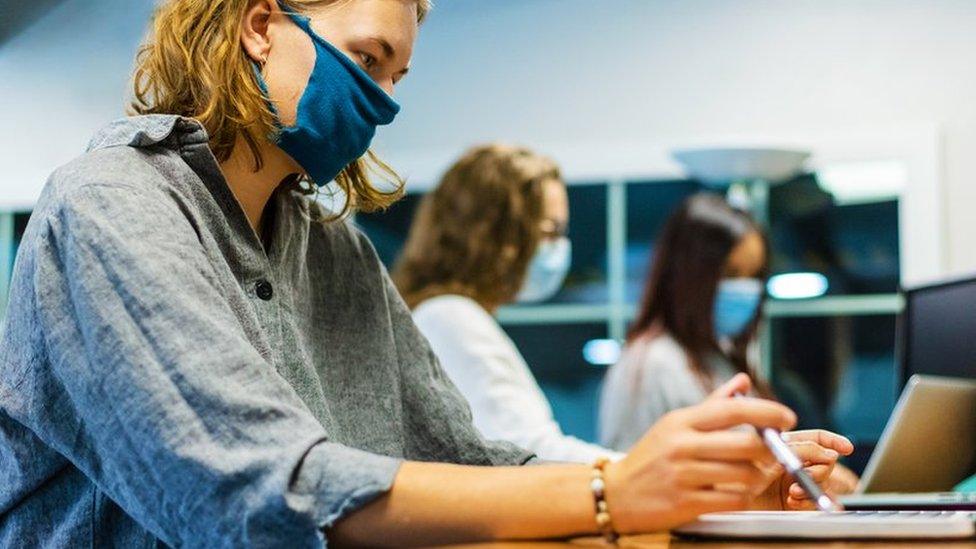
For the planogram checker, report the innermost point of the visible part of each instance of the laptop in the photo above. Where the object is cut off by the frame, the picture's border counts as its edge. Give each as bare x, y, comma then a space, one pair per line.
844, 525
935, 338
927, 447
929, 444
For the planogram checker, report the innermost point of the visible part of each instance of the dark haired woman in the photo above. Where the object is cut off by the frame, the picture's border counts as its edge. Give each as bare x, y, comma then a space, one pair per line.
698, 316
700, 313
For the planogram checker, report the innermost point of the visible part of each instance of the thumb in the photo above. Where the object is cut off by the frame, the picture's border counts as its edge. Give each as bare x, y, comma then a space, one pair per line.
738, 384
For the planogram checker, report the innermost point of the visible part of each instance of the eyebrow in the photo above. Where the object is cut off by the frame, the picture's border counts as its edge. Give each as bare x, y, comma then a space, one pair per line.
388, 50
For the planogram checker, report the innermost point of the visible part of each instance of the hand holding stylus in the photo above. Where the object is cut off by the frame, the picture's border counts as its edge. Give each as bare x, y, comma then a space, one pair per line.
808, 459
776, 443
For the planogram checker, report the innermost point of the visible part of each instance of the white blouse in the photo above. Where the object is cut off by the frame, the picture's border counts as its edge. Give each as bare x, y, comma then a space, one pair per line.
506, 401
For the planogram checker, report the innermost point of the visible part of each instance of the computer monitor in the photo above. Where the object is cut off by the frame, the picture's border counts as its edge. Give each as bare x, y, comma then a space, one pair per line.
938, 330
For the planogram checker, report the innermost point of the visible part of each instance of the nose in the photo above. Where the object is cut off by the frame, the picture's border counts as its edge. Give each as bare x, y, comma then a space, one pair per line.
387, 86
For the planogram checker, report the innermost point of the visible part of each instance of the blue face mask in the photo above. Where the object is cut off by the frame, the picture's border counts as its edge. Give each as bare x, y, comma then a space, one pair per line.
547, 270
736, 304
337, 114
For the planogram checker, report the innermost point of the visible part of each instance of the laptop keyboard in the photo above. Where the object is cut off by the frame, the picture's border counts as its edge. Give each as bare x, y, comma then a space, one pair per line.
875, 525
901, 514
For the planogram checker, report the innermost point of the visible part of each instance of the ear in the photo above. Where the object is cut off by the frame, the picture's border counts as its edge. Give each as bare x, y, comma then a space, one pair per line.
254, 30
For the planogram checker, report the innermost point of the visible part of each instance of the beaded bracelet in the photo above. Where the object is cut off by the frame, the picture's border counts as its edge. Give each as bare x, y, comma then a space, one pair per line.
599, 488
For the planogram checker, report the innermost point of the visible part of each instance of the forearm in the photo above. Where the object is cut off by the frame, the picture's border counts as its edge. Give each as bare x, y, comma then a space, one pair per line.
432, 503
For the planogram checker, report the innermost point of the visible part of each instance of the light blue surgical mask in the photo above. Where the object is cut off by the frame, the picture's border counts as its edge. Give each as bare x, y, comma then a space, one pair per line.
547, 270
736, 304
337, 114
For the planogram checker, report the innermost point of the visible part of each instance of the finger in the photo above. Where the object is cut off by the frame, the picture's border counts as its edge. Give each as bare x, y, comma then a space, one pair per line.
811, 452
771, 467
838, 443
843, 480
820, 474
794, 504
701, 474
740, 384
724, 446
716, 414
797, 492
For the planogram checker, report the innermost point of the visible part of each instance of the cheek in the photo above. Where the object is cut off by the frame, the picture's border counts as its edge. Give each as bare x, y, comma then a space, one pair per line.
287, 71
556, 202
758, 259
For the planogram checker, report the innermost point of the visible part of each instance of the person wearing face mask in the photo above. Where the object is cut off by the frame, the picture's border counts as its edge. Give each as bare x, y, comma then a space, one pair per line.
697, 318
197, 353
492, 232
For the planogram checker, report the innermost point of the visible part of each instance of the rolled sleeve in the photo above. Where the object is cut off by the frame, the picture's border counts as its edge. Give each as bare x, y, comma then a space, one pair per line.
335, 480
160, 399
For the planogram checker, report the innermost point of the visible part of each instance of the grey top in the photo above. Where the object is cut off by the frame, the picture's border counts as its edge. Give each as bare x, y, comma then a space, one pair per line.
166, 378
652, 378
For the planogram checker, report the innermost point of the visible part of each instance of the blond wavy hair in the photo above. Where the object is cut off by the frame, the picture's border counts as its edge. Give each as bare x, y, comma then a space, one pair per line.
476, 233
194, 65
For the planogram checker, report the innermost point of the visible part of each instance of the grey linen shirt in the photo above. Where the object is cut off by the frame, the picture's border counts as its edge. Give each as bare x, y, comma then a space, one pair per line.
166, 378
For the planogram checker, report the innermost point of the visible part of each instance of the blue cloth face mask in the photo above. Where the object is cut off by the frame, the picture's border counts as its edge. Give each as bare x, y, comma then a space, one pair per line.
547, 270
736, 304
337, 114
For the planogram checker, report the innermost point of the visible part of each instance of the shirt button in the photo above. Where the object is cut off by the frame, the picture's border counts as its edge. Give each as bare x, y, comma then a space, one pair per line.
264, 290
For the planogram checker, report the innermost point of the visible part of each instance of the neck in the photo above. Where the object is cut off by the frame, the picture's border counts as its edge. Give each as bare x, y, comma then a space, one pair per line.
252, 188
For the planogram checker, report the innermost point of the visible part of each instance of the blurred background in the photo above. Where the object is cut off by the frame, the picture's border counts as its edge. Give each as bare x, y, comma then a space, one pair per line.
882, 94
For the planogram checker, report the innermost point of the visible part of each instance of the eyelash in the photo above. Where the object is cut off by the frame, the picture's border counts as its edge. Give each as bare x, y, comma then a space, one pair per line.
368, 60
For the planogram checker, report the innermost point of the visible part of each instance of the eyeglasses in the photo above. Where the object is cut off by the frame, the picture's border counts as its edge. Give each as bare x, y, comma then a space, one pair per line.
553, 230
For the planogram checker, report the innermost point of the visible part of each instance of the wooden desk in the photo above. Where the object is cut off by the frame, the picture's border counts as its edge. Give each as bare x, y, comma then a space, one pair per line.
663, 541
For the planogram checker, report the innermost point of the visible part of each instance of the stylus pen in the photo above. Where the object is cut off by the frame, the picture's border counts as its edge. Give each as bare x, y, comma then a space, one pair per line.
781, 451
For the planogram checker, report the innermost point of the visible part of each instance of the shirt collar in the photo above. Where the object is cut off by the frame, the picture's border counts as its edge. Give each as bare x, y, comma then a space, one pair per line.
149, 130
